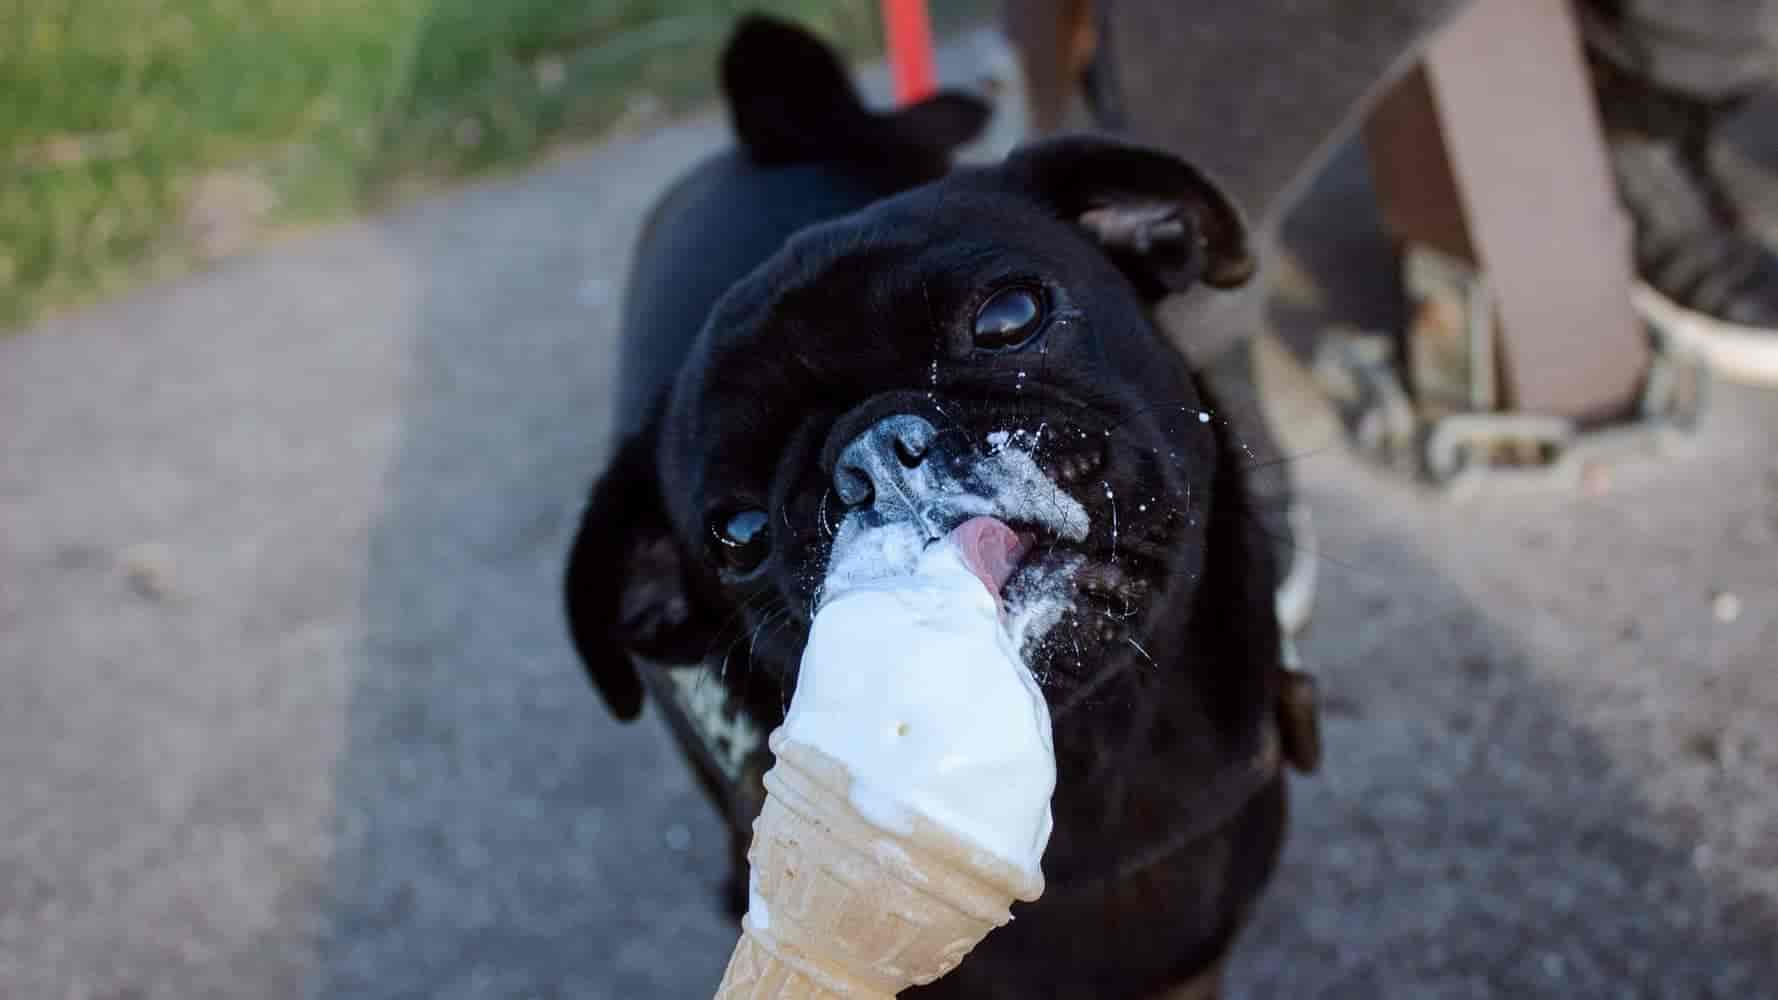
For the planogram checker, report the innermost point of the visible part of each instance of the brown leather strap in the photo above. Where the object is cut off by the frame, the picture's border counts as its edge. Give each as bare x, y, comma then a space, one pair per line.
1299, 719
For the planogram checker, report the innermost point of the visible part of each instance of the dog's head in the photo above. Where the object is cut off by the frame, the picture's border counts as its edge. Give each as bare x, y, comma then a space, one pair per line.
980, 345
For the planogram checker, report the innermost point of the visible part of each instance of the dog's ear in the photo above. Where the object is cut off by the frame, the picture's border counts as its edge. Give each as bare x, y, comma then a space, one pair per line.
625, 587
1164, 223
791, 100
942, 122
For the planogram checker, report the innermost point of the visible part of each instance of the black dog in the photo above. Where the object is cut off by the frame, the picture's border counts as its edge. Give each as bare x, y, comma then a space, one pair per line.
804, 345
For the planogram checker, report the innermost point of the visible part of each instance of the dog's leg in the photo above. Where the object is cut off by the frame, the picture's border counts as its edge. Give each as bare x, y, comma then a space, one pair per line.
734, 891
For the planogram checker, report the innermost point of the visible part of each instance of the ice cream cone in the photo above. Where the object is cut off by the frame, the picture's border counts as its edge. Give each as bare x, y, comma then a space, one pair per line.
844, 907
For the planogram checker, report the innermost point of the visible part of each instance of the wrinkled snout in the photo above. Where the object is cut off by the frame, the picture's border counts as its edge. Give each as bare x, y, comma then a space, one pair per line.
905, 467
898, 470
887, 463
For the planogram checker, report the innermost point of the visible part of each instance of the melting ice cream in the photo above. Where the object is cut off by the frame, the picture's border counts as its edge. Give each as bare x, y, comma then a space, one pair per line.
913, 680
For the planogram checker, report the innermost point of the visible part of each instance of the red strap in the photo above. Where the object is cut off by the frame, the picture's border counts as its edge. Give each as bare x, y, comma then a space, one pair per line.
910, 49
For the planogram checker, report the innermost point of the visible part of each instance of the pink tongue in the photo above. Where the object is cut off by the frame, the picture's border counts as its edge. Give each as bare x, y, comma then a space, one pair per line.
990, 549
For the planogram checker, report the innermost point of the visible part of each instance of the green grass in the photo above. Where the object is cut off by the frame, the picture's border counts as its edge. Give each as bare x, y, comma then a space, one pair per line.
113, 111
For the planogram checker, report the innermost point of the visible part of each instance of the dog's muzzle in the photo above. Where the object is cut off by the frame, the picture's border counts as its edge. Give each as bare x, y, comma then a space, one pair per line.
892, 472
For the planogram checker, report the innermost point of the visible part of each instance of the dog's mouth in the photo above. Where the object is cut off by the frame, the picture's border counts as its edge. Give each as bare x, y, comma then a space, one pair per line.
1073, 563
991, 550
1078, 604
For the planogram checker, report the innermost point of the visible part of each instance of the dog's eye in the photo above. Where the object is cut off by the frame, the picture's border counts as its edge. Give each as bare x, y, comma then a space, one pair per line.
1010, 317
742, 537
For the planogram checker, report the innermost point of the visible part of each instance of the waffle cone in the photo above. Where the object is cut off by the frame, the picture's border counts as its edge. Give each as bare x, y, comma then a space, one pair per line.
851, 909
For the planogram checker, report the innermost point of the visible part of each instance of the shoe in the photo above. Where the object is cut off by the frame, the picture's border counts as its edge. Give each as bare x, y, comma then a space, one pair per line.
1271, 495
1705, 281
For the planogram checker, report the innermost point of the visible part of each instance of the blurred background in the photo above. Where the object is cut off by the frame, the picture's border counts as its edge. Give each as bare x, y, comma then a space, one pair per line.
141, 135
308, 314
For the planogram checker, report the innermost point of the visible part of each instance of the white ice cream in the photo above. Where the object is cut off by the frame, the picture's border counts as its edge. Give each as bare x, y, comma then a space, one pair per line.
913, 682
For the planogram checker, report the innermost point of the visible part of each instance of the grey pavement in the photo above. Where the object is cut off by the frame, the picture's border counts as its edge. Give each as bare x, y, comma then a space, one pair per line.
287, 709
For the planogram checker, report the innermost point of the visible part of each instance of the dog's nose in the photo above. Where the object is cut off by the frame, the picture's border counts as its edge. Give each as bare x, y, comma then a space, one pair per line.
879, 461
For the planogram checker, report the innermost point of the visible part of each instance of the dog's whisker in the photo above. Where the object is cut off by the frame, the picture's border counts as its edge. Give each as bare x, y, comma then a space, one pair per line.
1203, 415
1287, 459
955, 423
1138, 647
753, 641
722, 630
1109, 495
1257, 523
751, 604
734, 622
1103, 676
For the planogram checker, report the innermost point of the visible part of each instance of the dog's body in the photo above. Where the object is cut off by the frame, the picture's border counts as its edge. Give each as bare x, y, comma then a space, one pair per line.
821, 335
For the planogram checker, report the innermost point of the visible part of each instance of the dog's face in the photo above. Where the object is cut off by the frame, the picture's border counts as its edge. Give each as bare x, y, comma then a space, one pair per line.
977, 346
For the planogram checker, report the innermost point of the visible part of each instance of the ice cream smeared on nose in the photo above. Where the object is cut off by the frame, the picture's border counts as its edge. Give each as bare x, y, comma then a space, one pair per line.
913, 682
